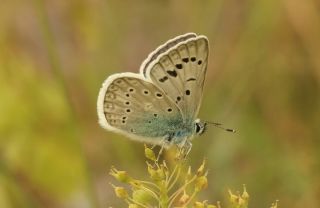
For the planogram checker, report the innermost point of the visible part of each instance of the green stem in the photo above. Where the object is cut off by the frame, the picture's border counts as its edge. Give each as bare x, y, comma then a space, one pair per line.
175, 180
176, 193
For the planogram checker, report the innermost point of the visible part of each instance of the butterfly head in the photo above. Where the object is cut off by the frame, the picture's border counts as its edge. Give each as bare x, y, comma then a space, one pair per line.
200, 127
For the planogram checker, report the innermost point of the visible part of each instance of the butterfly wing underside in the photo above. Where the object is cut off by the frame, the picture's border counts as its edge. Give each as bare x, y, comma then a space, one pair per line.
180, 73
131, 105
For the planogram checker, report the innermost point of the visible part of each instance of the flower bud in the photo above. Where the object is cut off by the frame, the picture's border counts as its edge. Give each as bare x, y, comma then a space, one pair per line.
141, 196
233, 198
245, 194
201, 183
274, 205
156, 174
121, 176
200, 170
242, 203
198, 205
121, 192
149, 153
184, 198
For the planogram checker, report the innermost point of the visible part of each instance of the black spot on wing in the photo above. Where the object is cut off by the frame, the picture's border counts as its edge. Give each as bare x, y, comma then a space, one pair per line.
158, 94
191, 79
163, 79
172, 73
178, 99
185, 60
179, 66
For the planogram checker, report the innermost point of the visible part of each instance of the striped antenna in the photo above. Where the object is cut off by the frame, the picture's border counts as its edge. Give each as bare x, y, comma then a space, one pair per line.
219, 125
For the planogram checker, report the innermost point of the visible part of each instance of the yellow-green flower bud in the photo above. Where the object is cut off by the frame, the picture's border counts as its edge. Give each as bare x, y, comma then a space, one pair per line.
133, 206
156, 174
274, 205
184, 198
149, 153
233, 198
198, 205
141, 196
121, 192
241, 202
218, 204
201, 183
245, 194
121, 176
200, 170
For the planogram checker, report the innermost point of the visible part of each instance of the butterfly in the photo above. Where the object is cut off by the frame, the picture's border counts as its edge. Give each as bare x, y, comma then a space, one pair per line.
159, 105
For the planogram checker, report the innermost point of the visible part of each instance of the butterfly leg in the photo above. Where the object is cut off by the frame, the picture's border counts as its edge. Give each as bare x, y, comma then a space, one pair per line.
188, 146
185, 149
165, 143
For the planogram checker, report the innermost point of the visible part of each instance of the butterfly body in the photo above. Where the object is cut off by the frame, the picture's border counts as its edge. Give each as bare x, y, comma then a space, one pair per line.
160, 104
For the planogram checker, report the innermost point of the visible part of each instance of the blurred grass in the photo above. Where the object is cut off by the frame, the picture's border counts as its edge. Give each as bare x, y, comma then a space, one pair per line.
263, 79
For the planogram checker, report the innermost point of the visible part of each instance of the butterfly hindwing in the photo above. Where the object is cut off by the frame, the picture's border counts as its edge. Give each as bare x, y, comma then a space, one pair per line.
132, 105
180, 73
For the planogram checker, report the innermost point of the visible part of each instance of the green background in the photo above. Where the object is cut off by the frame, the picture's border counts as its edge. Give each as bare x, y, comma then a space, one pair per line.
263, 80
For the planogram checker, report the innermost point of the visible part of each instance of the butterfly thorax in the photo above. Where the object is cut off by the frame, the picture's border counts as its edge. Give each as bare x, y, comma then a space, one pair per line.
187, 132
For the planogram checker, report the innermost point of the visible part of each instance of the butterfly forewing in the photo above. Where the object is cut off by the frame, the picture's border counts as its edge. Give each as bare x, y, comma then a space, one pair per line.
180, 73
163, 48
136, 107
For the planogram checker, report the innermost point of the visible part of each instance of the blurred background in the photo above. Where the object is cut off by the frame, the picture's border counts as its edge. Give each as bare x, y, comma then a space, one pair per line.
263, 80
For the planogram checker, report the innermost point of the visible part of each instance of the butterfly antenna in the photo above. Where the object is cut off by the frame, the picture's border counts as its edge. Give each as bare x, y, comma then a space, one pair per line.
219, 125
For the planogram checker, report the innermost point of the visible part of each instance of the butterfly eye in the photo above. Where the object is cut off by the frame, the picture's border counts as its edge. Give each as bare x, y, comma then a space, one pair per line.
198, 128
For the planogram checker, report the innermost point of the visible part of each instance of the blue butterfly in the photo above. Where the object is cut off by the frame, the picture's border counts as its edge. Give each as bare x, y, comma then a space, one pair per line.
159, 105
